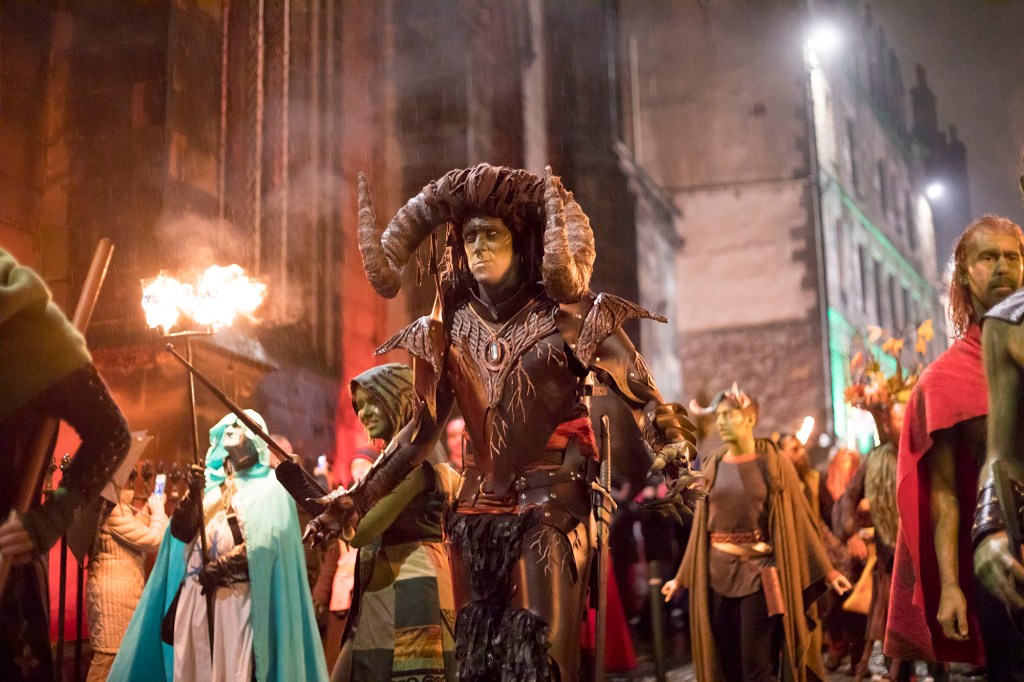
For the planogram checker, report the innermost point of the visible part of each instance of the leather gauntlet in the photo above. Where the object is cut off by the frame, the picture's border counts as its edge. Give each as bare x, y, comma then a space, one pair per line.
665, 423
988, 515
225, 570
185, 519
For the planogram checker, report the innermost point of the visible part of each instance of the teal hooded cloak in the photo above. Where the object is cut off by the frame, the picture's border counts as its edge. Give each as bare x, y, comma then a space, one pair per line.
286, 642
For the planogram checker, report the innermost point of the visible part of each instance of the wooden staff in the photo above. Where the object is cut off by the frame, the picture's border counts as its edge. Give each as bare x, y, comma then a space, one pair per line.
41, 446
276, 450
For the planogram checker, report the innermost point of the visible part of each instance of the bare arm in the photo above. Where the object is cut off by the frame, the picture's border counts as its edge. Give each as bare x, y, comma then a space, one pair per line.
945, 508
994, 563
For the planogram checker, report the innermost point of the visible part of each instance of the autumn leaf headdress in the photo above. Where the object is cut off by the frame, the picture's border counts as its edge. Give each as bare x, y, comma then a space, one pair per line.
870, 389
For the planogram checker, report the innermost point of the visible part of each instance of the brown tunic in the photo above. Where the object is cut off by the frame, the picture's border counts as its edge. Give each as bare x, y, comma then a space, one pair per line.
736, 504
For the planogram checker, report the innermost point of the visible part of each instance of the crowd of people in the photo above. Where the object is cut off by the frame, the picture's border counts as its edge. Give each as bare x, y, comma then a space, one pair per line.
466, 547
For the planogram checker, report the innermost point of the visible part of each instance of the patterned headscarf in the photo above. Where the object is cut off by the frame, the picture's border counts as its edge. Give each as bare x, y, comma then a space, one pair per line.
391, 388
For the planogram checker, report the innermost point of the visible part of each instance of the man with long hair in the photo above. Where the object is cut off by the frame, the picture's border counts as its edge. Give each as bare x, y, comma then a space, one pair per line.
935, 613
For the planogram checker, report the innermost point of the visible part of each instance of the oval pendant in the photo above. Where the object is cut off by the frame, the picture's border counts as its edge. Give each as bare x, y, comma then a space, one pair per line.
495, 353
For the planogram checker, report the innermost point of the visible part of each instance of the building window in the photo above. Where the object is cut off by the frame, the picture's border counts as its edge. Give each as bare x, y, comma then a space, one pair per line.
879, 302
911, 221
894, 317
851, 145
883, 189
862, 265
908, 317
841, 251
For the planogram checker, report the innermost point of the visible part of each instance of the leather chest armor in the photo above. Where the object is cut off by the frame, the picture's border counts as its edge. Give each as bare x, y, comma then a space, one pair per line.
515, 383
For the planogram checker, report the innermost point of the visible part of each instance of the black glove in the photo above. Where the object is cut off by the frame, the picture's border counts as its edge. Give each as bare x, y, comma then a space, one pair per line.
225, 570
186, 518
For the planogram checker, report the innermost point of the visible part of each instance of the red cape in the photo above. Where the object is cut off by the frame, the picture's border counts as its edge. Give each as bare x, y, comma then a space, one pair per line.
951, 390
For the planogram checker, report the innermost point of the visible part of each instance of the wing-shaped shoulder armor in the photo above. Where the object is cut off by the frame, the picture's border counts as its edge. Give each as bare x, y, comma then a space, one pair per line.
607, 314
424, 340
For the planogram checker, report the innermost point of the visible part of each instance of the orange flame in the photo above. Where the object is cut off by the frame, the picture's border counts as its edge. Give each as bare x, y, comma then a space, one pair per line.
221, 295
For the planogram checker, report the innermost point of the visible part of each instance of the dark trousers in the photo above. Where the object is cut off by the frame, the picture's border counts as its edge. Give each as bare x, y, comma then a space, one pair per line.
747, 638
1004, 645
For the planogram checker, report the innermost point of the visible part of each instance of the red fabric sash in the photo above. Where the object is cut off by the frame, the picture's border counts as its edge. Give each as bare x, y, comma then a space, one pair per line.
579, 429
951, 390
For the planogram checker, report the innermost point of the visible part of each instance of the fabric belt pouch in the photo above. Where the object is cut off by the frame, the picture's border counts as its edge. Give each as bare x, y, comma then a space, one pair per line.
772, 587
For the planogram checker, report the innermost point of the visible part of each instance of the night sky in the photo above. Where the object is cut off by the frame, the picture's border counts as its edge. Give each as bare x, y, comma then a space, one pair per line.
973, 51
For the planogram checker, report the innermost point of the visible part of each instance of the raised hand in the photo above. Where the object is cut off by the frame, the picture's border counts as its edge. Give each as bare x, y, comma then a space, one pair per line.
339, 521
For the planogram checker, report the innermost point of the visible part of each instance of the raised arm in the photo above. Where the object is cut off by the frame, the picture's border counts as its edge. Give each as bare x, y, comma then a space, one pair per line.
409, 448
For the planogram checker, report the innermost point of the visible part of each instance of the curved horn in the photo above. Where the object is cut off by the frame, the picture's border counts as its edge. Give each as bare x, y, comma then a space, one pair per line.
382, 272
386, 252
568, 244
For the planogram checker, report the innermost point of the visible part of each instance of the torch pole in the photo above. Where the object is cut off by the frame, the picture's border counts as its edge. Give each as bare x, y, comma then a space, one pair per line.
275, 449
194, 425
41, 447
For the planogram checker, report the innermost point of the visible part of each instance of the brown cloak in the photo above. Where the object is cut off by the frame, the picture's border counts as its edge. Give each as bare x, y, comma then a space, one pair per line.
799, 555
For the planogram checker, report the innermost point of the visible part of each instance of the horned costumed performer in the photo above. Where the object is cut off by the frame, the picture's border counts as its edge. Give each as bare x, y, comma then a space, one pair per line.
514, 338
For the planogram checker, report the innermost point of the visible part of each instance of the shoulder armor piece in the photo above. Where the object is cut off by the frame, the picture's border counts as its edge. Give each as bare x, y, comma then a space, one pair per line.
1011, 309
424, 339
607, 314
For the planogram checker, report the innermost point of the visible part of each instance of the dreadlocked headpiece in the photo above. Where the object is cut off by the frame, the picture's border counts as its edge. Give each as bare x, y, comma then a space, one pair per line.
734, 395
527, 204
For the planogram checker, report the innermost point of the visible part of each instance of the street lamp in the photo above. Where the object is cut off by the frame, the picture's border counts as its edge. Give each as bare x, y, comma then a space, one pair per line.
823, 40
935, 190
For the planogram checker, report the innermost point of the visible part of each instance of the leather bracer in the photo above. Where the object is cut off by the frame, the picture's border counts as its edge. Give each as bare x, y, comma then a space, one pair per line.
410, 447
988, 515
185, 519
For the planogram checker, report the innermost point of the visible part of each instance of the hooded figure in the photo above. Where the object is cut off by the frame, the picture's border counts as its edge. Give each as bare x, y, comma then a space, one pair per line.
401, 622
264, 611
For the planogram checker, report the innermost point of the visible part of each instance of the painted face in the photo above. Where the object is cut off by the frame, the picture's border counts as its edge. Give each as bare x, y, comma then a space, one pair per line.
242, 451
371, 415
359, 466
234, 434
454, 432
994, 268
489, 251
896, 414
794, 450
733, 424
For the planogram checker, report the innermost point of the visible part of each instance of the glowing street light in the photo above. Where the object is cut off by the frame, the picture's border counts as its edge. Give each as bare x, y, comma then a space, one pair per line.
823, 40
935, 190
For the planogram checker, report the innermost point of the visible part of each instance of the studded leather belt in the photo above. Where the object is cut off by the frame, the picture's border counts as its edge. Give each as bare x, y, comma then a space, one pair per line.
744, 538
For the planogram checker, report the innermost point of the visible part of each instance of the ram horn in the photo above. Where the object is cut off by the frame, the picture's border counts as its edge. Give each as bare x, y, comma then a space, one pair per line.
568, 244
386, 252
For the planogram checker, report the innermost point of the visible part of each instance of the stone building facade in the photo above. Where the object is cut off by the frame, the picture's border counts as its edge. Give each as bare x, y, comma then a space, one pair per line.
194, 133
796, 189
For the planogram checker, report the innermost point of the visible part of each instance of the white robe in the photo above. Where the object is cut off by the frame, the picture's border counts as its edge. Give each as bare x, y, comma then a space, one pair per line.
232, 659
